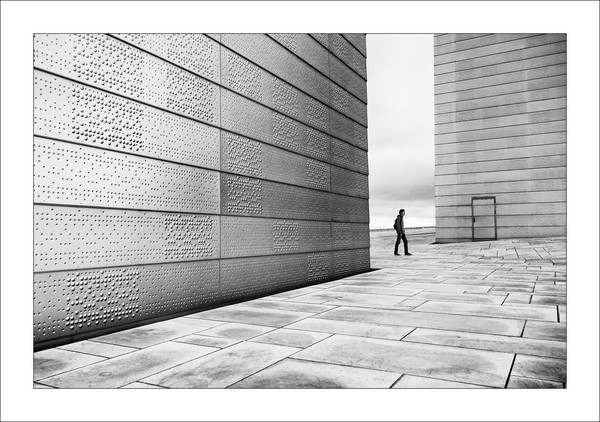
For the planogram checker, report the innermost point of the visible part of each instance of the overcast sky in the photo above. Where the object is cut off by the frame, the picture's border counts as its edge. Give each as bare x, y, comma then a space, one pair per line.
401, 144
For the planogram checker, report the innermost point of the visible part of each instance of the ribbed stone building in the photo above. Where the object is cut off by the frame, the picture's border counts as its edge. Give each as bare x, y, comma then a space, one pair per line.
500, 136
177, 172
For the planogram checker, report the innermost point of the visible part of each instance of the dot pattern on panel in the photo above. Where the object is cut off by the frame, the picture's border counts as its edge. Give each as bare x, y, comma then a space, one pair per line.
69, 238
319, 267
318, 144
242, 155
242, 195
348, 130
73, 302
107, 63
317, 114
348, 156
342, 263
344, 50
286, 132
242, 76
359, 41
350, 235
322, 38
342, 75
79, 175
194, 52
349, 183
317, 174
285, 97
74, 112
289, 41
286, 236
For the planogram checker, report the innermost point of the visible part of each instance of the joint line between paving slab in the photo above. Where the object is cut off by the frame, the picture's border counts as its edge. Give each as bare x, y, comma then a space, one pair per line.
510, 370
397, 381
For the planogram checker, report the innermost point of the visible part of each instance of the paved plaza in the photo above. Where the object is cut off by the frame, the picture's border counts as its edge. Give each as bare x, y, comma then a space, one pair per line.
461, 315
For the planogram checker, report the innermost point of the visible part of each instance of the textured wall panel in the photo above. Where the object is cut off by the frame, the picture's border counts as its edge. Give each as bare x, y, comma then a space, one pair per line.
251, 119
349, 209
359, 41
349, 156
500, 130
250, 277
348, 54
251, 158
270, 55
345, 77
194, 52
76, 302
248, 196
350, 262
350, 235
71, 174
322, 38
349, 131
242, 76
68, 238
77, 113
348, 105
248, 236
349, 182
306, 48
110, 64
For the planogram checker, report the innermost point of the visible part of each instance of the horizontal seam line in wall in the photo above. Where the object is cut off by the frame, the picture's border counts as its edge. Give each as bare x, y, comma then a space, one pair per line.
499, 95
196, 260
501, 127
499, 192
504, 137
503, 105
498, 159
201, 167
352, 44
497, 171
500, 84
501, 73
510, 181
502, 115
317, 70
497, 149
509, 215
501, 62
500, 52
202, 122
513, 203
235, 92
453, 42
483, 46
191, 213
334, 54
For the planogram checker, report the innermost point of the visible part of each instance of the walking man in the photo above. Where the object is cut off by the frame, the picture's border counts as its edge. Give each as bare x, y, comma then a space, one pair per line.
399, 226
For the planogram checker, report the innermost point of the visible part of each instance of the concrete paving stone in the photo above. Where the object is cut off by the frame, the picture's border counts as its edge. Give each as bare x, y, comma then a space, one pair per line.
287, 306
292, 338
140, 385
223, 368
472, 324
541, 368
517, 298
525, 346
412, 302
447, 363
235, 331
520, 382
151, 334
255, 316
490, 282
294, 293
36, 385
388, 283
201, 340
329, 284
125, 369
512, 289
550, 288
98, 349
411, 381
548, 300
507, 311
354, 328
332, 297
452, 288
450, 297
55, 361
294, 373
546, 330
390, 291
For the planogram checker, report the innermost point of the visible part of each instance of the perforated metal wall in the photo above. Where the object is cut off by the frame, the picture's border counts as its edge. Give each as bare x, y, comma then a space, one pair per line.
175, 172
500, 131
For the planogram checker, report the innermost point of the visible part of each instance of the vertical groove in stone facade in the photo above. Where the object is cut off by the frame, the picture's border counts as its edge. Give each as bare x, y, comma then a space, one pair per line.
500, 136
176, 172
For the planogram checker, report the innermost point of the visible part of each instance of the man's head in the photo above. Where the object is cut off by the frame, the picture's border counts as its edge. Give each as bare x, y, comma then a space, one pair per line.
402, 211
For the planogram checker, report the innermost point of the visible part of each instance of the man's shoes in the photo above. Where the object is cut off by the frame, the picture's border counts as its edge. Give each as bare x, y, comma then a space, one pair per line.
409, 254
397, 254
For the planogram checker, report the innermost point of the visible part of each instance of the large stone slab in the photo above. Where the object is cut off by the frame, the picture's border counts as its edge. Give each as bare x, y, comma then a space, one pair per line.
452, 297
222, 368
159, 332
201, 340
446, 363
331, 297
293, 373
471, 324
361, 329
246, 315
287, 306
518, 312
520, 382
540, 368
374, 290
534, 347
98, 349
411, 381
234, 331
292, 338
55, 361
125, 369
546, 330
451, 288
